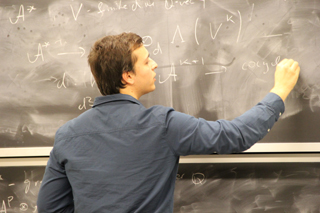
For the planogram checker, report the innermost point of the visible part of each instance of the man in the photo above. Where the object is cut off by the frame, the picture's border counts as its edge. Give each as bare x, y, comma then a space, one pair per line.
120, 156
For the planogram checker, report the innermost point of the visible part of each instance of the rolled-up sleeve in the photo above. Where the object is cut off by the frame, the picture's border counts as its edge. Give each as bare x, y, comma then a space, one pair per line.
188, 135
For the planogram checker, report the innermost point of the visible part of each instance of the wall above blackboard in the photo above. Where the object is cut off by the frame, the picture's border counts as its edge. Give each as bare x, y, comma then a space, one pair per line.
216, 60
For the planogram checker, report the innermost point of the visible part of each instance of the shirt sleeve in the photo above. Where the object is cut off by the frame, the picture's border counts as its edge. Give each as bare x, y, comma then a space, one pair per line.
55, 194
188, 135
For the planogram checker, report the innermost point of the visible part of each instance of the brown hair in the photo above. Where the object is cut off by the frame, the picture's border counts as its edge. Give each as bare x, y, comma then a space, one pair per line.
109, 57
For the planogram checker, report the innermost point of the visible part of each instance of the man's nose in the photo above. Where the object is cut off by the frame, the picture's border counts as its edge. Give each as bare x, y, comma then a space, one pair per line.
154, 65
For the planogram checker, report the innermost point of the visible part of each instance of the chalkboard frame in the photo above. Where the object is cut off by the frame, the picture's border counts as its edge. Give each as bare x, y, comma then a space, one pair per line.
259, 148
194, 159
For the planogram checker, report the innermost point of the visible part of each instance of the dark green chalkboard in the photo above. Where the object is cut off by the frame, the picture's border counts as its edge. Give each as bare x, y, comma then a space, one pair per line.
216, 60
210, 188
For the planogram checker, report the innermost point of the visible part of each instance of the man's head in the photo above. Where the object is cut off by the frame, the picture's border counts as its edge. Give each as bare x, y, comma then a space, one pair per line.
141, 80
110, 57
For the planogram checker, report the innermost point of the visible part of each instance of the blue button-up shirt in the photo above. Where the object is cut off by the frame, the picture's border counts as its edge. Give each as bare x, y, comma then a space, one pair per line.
122, 157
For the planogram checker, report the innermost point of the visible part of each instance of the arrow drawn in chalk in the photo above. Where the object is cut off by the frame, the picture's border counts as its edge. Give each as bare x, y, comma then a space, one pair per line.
82, 52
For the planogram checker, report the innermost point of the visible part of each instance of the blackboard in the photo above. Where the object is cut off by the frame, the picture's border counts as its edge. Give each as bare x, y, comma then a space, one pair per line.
227, 188
253, 187
19, 188
216, 60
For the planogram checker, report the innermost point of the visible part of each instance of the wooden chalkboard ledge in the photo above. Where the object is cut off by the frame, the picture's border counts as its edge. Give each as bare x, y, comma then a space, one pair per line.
261, 148
252, 158
13, 162
234, 158
25, 152
284, 147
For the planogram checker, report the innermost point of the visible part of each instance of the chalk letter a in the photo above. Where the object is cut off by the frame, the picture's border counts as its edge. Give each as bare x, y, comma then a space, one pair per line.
21, 15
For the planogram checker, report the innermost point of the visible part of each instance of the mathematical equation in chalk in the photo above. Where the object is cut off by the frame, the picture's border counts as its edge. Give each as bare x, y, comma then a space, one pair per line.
32, 129
177, 36
19, 12
254, 65
228, 26
197, 178
32, 58
20, 193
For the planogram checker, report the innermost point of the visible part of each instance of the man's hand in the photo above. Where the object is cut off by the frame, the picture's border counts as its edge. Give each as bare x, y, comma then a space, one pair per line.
285, 77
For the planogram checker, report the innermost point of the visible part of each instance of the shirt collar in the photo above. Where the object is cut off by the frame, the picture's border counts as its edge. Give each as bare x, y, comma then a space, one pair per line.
113, 98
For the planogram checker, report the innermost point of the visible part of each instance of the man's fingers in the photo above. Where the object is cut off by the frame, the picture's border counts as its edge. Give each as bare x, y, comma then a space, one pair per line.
283, 62
289, 62
294, 66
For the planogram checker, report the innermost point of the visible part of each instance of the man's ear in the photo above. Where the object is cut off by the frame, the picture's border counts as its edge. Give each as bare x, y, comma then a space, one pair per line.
128, 77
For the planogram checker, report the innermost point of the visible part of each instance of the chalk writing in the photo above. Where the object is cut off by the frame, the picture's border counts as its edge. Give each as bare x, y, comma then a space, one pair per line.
171, 3
87, 102
27, 182
21, 15
10, 198
17, 198
47, 129
60, 42
270, 36
222, 70
175, 33
149, 4
198, 178
37, 55
7, 130
91, 82
54, 38
168, 5
252, 8
3, 207
229, 18
314, 98
240, 26
81, 52
31, 8
188, 62
120, 6
61, 82
252, 65
101, 10
23, 207
75, 16
157, 50
203, 4
179, 177
215, 35
195, 31
172, 74
147, 40
46, 44
102, 7
135, 5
